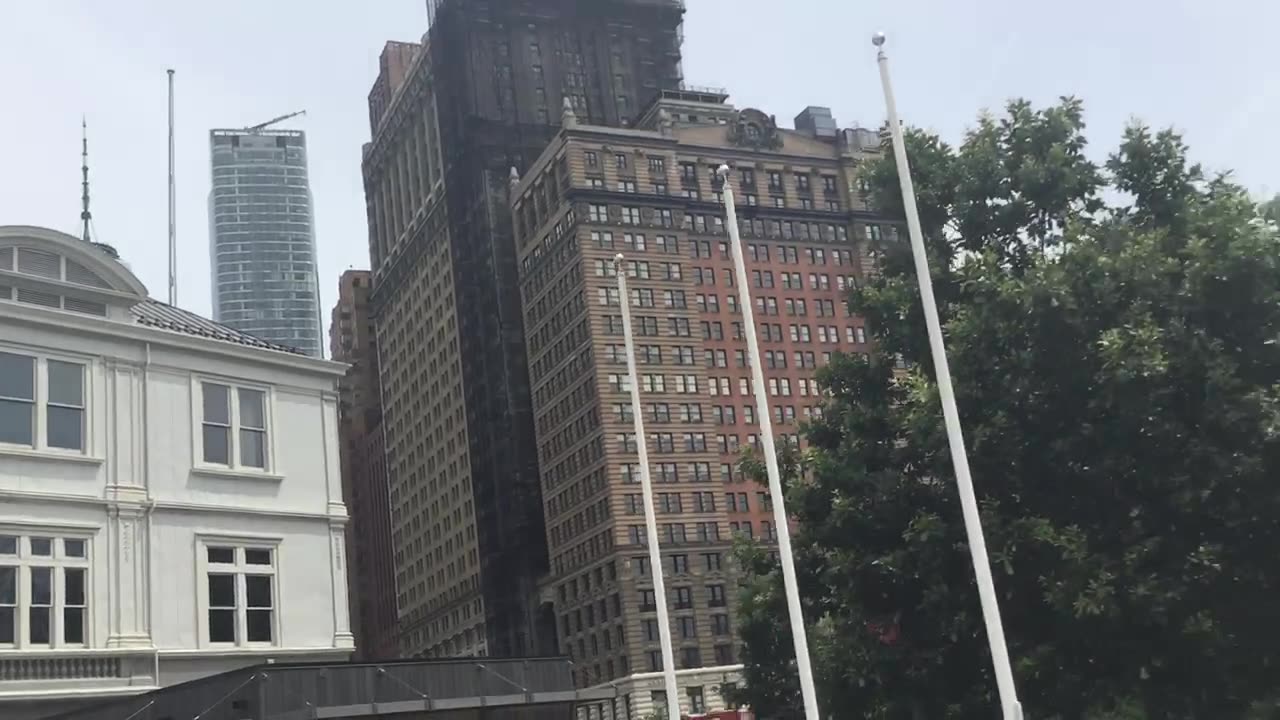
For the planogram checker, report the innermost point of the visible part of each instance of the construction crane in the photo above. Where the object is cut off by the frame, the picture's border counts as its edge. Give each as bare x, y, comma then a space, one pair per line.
262, 126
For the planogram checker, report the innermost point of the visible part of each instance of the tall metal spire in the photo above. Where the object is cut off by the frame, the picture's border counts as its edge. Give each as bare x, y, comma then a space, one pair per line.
85, 215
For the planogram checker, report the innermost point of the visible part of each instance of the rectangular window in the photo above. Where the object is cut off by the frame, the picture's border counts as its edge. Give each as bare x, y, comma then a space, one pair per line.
42, 403
64, 422
719, 625
8, 605
39, 620
697, 705
17, 399
253, 428
234, 426
43, 591
240, 594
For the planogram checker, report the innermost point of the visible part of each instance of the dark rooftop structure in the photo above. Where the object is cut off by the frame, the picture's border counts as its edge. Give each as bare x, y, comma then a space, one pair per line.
458, 689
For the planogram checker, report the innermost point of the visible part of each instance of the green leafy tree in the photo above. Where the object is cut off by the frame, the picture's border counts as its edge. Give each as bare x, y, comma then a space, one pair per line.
1270, 210
1118, 376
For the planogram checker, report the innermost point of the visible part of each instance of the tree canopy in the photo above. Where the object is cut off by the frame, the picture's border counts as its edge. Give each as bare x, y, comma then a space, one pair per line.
1114, 336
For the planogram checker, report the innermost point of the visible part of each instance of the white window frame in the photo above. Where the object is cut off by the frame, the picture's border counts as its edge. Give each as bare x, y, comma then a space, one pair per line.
40, 403
239, 569
58, 561
234, 464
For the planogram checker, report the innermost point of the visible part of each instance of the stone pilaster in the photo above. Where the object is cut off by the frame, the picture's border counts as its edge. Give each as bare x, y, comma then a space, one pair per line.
128, 564
342, 636
128, 546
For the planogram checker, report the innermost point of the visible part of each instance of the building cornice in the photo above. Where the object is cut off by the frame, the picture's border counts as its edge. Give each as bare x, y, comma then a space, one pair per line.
335, 516
60, 320
255, 652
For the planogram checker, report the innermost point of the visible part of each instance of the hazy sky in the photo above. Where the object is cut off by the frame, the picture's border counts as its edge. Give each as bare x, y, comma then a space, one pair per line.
1207, 68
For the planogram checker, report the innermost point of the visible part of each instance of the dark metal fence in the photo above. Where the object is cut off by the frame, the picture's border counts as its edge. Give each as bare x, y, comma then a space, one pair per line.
355, 690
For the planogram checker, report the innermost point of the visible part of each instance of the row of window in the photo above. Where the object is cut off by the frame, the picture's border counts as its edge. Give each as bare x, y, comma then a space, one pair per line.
714, 330
785, 254
664, 443
765, 279
687, 627
688, 384
43, 403
778, 387
721, 414
704, 532
593, 614
694, 472
44, 593
689, 173
700, 502
677, 299
684, 354
795, 306
661, 188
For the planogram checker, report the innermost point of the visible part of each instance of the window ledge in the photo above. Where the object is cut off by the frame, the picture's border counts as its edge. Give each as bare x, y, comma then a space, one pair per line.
234, 474
31, 653
49, 455
220, 650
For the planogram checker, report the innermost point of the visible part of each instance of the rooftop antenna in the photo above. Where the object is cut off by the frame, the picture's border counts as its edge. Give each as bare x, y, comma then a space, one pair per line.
173, 228
85, 215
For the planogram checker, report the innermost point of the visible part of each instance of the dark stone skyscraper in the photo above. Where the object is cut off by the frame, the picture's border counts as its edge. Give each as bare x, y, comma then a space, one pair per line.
485, 94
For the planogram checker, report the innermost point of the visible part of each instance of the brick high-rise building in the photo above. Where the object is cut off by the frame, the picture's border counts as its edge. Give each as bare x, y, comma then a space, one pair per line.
484, 94
370, 566
651, 193
351, 339
393, 68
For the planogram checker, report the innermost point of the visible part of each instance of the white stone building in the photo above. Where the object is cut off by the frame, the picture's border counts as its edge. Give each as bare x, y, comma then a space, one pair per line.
170, 500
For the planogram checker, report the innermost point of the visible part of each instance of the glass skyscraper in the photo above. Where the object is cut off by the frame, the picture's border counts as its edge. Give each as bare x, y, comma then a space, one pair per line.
262, 248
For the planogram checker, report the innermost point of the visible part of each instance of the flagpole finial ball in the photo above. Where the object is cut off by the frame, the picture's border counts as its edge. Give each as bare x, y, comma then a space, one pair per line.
878, 39
619, 257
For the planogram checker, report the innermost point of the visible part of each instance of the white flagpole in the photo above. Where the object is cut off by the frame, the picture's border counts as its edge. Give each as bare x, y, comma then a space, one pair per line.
173, 211
780, 519
1012, 709
646, 489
